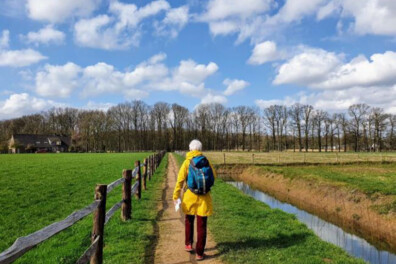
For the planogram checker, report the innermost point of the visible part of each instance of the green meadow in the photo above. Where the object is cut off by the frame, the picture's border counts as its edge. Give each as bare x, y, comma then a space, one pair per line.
367, 177
39, 189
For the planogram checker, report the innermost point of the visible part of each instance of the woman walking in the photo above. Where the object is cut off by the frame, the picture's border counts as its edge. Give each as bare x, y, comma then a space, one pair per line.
199, 176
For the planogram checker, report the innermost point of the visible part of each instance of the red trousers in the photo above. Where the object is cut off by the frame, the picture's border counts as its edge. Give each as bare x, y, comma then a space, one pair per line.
201, 230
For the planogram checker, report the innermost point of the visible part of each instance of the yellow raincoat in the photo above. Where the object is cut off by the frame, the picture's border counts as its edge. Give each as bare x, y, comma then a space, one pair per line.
192, 204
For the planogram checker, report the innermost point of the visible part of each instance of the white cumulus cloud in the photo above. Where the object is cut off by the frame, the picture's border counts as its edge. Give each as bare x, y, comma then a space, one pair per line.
95, 33
20, 58
175, 20
119, 29
340, 100
376, 17
265, 52
228, 17
258, 20
56, 11
58, 80
223, 9
234, 85
334, 83
16, 58
309, 67
24, 104
214, 98
5, 39
45, 35
187, 78
320, 69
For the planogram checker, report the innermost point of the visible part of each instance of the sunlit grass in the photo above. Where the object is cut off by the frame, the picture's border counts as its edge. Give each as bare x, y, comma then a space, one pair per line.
297, 157
369, 178
37, 190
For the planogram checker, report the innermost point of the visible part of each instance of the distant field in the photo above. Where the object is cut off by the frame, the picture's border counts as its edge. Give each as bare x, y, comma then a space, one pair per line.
369, 178
37, 190
297, 157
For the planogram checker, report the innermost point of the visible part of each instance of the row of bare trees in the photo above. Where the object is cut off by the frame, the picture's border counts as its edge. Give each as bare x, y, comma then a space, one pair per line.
134, 126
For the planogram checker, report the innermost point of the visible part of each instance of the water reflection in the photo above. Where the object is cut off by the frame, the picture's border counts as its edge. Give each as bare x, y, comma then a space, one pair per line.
354, 245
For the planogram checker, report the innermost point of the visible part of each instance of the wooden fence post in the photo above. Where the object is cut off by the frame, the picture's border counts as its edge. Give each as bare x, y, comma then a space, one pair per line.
224, 158
139, 178
144, 174
149, 168
98, 223
126, 207
152, 165
253, 158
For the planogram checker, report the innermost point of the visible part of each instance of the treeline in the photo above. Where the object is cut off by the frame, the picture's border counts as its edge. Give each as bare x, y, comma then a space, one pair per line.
134, 126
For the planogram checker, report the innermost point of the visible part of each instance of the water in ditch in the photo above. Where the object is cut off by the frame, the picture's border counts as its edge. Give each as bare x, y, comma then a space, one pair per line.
353, 244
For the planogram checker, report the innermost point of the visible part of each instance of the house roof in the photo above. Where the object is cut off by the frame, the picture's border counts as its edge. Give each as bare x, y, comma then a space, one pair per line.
40, 141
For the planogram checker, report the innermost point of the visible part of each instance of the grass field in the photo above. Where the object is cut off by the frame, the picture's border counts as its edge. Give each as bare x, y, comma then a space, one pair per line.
37, 190
297, 157
369, 178
248, 231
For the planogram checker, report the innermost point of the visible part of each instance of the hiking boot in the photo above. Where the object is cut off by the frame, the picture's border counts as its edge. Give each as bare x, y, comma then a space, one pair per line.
200, 257
189, 248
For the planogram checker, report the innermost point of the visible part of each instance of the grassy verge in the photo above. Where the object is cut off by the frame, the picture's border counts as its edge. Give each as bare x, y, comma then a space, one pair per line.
369, 178
38, 190
248, 231
131, 242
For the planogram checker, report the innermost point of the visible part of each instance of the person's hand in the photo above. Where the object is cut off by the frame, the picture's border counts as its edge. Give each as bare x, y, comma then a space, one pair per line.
174, 202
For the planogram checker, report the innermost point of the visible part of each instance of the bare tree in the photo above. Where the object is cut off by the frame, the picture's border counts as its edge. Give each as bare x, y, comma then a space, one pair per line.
392, 124
269, 120
137, 126
379, 119
307, 111
160, 113
319, 118
178, 118
358, 113
296, 113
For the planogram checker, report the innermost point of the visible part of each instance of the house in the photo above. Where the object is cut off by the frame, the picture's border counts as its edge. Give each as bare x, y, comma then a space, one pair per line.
29, 143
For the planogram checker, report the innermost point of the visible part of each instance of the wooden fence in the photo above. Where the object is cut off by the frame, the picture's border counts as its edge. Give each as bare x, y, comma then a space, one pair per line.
94, 253
296, 158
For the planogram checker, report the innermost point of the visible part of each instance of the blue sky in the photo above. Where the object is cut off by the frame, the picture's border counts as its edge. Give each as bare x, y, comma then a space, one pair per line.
97, 53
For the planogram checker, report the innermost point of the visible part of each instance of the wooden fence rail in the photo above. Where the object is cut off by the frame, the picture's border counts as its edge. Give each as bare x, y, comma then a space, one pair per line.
295, 158
94, 253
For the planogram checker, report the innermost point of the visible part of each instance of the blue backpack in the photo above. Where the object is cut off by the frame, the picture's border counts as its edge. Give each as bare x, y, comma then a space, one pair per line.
200, 175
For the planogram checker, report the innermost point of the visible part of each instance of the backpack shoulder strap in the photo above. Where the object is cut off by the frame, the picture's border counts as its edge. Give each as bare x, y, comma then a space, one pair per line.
192, 163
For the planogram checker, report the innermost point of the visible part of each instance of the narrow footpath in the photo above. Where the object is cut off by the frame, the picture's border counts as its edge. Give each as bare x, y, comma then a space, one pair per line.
170, 247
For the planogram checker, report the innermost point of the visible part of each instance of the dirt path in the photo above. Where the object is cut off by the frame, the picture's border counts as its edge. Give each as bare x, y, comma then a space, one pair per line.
170, 247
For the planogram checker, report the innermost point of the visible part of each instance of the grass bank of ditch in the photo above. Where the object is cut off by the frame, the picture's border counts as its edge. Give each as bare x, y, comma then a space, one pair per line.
38, 190
359, 198
248, 231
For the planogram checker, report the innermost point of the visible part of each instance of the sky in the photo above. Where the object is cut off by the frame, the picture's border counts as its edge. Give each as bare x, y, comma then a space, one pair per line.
94, 54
